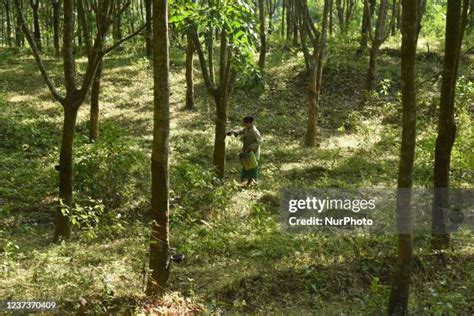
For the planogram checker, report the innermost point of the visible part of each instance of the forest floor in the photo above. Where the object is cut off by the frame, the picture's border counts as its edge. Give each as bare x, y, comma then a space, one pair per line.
237, 257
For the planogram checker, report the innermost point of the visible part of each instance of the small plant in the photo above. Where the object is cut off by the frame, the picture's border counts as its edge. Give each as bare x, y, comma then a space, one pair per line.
85, 217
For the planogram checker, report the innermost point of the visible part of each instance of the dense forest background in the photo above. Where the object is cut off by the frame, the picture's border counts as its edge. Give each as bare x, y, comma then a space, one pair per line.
331, 83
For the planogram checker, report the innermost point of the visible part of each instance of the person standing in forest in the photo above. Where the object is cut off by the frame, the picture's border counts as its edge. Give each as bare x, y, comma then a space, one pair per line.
251, 140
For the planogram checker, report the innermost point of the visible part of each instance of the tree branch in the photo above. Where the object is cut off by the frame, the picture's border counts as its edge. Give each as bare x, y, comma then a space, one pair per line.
37, 56
126, 38
85, 27
202, 60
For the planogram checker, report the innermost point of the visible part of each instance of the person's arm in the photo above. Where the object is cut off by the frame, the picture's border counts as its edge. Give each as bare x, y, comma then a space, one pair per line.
258, 140
235, 133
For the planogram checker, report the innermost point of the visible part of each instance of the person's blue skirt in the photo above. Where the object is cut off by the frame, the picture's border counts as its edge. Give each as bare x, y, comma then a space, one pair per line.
251, 174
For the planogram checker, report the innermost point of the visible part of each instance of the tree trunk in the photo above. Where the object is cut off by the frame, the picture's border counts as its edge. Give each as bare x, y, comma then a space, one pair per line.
295, 28
36, 25
159, 246
283, 6
189, 74
364, 33
331, 5
219, 136
63, 227
455, 24
370, 78
9, 25
271, 9
313, 109
18, 33
399, 13
471, 14
340, 15
316, 74
117, 29
393, 20
263, 37
94, 115
398, 302
289, 14
148, 30
210, 54
379, 37
56, 13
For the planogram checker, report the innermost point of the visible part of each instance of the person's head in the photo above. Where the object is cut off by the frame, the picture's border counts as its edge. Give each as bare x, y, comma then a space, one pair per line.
248, 121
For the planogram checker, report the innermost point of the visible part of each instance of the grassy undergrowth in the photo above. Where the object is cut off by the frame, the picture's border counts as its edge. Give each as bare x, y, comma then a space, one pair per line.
237, 257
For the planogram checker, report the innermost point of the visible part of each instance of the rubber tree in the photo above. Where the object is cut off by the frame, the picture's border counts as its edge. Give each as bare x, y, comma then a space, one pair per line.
6, 5
314, 60
148, 31
345, 11
19, 38
291, 21
36, 25
159, 245
117, 11
368, 12
377, 38
71, 100
394, 14
282, 27
272, 6
456, 22
189, 71
233, 21
189, 51
398, 302
56, 4
262, 33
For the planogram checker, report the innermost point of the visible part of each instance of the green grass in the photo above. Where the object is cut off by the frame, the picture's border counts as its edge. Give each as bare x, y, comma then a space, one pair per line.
237, 257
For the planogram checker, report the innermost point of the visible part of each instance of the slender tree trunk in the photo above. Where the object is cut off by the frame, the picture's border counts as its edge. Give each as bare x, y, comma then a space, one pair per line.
316, 74
456, 20
271, 9
364, 33
18, 33
94, 114
365, 26
379, 37
219, 139
36, 25
56, 12
295, 28
79, 31
3, 34
283, 6
313, 109
210, 54
9, 25
263, 37
289, 18
220, 98
399, 13
370, 77
148, 30
159, 246
331, 4
189, 74
393, 19
117, 29
398, 302
471, 14
63, 227
340, 15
